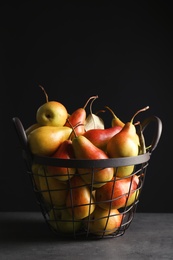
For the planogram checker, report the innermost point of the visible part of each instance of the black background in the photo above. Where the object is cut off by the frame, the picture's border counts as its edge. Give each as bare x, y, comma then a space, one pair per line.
121, 52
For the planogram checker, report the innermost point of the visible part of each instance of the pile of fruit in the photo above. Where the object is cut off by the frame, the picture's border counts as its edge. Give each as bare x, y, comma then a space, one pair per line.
84, 198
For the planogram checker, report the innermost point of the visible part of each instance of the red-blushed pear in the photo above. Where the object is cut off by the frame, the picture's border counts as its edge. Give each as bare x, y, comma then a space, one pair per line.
52, 113
45, 140
115, 120
80, 200
77, 119
64, 151
85, 149
118, 193
125, 144
100, 137
54, 192
103, 222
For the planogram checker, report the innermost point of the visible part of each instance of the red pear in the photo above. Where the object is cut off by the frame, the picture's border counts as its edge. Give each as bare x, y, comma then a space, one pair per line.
80, 201
64, 151
100, 137
118, 193
85, 149
77, 119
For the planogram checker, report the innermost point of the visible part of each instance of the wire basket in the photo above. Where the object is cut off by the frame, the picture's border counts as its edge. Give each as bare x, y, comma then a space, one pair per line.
76, 209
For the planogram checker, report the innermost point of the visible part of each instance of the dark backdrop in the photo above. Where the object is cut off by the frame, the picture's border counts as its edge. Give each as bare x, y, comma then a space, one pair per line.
121, 52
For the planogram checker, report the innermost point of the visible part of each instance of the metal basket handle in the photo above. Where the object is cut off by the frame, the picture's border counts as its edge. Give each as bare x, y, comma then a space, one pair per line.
23, 140
158, 130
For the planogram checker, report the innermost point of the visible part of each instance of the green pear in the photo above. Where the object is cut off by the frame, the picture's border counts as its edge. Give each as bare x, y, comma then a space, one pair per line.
45, 140
125, 144
80, 200
103, 222
61, 220
85, 149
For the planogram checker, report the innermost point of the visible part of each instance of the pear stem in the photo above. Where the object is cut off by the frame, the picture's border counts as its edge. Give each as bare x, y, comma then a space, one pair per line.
46, 95
93, 97
141, 110
111, 112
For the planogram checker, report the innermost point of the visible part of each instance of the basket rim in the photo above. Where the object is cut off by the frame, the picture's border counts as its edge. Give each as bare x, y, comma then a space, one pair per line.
89, 163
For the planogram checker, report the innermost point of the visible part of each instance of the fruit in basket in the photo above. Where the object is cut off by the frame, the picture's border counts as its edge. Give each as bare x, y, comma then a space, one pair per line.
31, 128
100, 137
77, 119
125, 144
115, 120
85, 149
52, 113
79, 200
35, 170
93, 121
64, 151
52, 190
103, 222
61, 220
118, 193
45, 140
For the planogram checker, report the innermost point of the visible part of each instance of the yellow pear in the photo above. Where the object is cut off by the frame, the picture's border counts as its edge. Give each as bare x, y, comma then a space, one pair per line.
52, 113
45, 140
103, 222
61, 220
53, 191
125, 144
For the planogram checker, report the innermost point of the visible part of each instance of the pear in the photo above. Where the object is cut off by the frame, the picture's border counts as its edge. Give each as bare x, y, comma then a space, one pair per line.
118, 193
80, 200
64, 151
77, 119
93, 121
115, 120
125, 144
100, 137
31, 128
103, 222
52, 113
45, 140
53, 191
62, 221
85, 149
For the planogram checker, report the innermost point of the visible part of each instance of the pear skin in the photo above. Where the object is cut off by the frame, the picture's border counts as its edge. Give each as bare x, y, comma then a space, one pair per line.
80, 200
64, 151
52, 113
85, 149
77, 119
103, 222
54, 192
62, 221
125, 144
45, 140
118, 193
100, 137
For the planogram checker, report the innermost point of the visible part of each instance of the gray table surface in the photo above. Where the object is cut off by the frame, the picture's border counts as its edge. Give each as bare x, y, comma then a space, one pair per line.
25, 235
